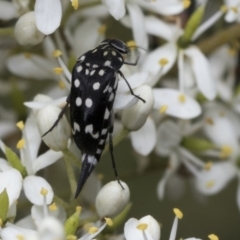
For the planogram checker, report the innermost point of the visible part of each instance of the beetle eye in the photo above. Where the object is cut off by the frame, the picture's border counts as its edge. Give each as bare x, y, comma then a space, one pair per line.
119, 46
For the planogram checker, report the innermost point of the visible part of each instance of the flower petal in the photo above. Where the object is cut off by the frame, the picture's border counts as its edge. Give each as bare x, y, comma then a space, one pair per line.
116, 8
185, 108
151, 61
32, 186
202, 72
31, 66
86, 36
124, 101
213, 180
135, 80
46, 159
145, 138
48, 15
138, 26
11, 180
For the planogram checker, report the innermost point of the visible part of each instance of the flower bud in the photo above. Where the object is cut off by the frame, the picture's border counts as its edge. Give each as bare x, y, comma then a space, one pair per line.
26, 31
57, 139
134, 117
112, 199
40, 98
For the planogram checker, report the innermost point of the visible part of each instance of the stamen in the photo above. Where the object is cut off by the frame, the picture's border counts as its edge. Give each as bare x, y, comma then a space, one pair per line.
75, 4
210, 184
182, 98
27, 55
213, 237
20, 237
178, 213
71, 237
61, 84
102, 29
163, 61
92, 230
20, 125
226, 151
142, 226
209, 121
131, 44
58, 70
57, 53
224, 8
21, 144
234, 9
109, 221
208, 166
53, 207
163, 109
44, 191
186, 3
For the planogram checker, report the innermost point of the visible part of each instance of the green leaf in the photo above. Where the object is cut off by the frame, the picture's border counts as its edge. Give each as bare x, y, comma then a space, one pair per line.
197, 144
4, 203
72, 222
191, 26
15, 162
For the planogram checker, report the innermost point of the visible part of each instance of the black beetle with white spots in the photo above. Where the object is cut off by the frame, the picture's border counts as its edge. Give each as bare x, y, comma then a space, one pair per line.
93, 90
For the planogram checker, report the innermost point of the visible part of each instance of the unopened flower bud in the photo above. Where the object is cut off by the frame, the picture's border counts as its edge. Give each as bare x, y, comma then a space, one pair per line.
134, 117
57, 139
26, 31
40, 98
112, 199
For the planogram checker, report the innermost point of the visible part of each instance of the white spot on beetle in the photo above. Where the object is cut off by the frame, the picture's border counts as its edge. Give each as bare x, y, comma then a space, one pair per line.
95, 66
106, 114
88, 102
107, 63
106, 88
88, 64
86, 71
105, 53
79, 68
111, 97
78, 101
104, 131
114, 53
120, 59
110, 89
82, 58
92, 72
89, 129
94, 50
101, 72
76, 83
76, 127
96, 85
92, 160
102, 141
99, 151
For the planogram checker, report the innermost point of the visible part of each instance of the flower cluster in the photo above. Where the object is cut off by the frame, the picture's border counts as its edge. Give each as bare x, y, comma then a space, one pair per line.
189, 121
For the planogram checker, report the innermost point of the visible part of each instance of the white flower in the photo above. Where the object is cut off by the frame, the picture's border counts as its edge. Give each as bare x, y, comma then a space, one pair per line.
112, 199
26, 32
29, 146
213, 180
145, 228
220, 126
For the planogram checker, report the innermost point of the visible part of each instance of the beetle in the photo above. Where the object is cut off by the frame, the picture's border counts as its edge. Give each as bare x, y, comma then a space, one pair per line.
93, 90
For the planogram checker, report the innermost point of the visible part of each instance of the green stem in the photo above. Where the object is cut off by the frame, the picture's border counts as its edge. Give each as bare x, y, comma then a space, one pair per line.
7, 32
222, 37
71, 157
71, 175
122, 134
